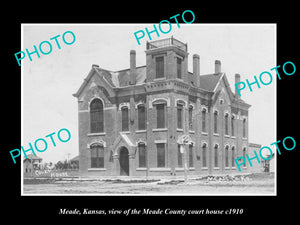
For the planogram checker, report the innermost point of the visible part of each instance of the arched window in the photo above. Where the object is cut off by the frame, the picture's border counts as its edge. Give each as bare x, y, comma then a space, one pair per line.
232, 156
160, 105
142, 155
244, 155
191, 156
160, 115
226, 156
203, 115
191, 117
232, 126
215, 122
96, 116
216, 147
141, 117
179, 158
125, 118
204, 149
226, 124
179, 116
97, 156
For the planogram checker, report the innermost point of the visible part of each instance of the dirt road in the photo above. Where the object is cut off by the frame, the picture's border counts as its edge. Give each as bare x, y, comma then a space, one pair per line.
251, 185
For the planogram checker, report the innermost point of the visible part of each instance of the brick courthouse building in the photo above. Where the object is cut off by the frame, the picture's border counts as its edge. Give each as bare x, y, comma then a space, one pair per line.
130, 120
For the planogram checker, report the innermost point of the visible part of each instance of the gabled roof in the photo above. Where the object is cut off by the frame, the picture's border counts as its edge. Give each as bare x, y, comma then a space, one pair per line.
34, 157
209, 81
116, 79
121, 78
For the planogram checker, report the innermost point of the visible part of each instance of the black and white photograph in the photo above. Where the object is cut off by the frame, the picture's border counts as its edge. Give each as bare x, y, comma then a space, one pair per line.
146, 111
160, 118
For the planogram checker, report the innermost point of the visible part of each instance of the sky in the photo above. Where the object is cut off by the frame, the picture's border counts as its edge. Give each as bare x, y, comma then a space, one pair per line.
48, 82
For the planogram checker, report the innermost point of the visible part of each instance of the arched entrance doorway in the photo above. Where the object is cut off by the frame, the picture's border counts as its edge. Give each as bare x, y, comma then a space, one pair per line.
124, 161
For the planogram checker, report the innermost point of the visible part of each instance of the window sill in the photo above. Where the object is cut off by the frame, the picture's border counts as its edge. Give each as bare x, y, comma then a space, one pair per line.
159, 129
140, 131
182, 169
204, 133
160, 141
204, 168
216, 134
159, 79
226, 135
96, 169
96, 134
233, 137
125, 132
141, 169
191, 131
179, 129
244, 138
160, 169
179, 169
227, 168
216, 168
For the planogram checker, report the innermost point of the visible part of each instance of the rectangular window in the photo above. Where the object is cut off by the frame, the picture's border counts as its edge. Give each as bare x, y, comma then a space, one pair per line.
179, 116
160, 71
125, 119
244, 128
179, 156
161, 155
142, 155
141, 117
179, 68
160, 111
191, 156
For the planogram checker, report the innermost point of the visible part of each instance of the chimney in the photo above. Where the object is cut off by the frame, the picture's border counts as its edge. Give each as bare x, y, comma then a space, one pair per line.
196, 69
217, 66
132, 68
237, 80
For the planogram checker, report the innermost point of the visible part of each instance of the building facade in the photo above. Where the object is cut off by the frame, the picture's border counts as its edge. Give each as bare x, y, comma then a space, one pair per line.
130, 120
31, 163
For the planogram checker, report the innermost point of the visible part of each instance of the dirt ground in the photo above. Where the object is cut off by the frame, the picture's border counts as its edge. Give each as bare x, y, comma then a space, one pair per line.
251, 184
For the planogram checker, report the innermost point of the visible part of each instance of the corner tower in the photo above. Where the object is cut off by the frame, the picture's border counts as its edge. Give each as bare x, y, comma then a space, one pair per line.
166, 59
